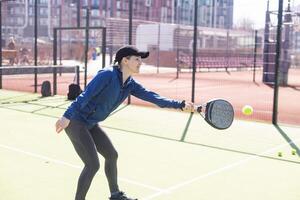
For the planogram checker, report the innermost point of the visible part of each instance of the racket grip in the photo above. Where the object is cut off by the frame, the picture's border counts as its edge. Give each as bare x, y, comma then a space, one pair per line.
198, 108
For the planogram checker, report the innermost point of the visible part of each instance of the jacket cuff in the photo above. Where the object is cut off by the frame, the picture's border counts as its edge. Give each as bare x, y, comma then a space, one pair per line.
182, 105
67, 115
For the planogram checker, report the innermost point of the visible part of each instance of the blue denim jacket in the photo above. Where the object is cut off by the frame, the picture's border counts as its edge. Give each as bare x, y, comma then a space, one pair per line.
106, 92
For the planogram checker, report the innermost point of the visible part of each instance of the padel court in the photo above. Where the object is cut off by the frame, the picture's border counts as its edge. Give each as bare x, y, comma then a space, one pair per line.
163, 155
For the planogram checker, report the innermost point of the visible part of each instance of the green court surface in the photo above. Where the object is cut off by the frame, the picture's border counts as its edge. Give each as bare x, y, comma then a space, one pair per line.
163, 155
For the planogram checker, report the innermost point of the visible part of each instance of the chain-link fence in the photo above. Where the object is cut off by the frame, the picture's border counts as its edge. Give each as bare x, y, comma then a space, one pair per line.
231, 60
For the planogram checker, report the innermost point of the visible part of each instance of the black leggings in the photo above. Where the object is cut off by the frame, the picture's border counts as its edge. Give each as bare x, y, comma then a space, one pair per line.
86, 143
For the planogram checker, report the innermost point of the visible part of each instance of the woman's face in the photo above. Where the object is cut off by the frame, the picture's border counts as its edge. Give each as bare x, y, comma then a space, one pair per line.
133, 63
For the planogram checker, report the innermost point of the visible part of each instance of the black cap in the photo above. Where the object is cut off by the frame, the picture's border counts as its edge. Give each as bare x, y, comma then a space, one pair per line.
129, 51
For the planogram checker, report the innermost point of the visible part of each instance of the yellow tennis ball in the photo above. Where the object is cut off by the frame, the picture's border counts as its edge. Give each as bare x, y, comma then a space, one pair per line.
279, 154
294, 151
247, 110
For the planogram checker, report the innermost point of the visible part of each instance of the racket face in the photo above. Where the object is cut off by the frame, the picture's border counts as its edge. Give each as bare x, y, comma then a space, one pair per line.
219, 113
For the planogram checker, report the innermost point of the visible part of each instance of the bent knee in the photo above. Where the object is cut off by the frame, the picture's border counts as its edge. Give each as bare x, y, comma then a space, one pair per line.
93, 167
113, 155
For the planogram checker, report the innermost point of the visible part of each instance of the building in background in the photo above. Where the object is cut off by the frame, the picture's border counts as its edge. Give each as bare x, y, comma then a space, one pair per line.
14, 17
296, 29
211, 13
18, 15
43, 17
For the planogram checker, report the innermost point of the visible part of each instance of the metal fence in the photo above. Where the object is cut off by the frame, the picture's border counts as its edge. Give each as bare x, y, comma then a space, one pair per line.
191, 59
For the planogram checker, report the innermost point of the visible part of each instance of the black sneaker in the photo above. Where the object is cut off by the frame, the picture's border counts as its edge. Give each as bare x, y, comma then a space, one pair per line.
120, 196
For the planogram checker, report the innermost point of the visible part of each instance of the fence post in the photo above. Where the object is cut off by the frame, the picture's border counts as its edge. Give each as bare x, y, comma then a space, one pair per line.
0, 78
1, 43
130, 35
86, 45
255, 54
77, 75
35, 79
54, 80
35, 43
194, 49
55, 46
103, 47
277, 60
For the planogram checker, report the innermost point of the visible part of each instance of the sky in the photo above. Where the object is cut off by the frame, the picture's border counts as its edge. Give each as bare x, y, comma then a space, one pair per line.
255, 10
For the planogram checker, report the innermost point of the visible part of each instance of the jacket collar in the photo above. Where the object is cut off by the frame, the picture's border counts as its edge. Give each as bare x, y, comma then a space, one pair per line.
120, 77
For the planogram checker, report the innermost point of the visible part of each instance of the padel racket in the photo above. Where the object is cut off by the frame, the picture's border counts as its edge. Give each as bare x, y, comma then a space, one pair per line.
218, 113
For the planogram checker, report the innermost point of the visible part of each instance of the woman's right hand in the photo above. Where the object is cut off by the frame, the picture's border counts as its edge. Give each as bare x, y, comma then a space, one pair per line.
61, 124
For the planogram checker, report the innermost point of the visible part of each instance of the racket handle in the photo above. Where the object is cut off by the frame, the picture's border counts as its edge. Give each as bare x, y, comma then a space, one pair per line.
198, 108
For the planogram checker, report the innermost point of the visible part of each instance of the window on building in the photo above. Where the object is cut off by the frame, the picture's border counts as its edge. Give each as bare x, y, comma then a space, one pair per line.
43, 1
95, 13
125, 6
43, 21
22, 10
221, 21
20, 31
12, 21
164, 14
11, 11
30, 11
95, 3
55, 22
85, 3
57, 2
17, 10
96, 22
148, 3
30, 21
43, 11
20, 21
168, 3
118, 5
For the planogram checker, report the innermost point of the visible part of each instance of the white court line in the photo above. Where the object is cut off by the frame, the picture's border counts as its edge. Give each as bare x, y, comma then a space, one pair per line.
216, 171
159, 190
60, 162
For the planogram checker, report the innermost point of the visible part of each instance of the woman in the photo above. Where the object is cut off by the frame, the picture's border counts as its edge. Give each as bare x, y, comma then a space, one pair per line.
106, 91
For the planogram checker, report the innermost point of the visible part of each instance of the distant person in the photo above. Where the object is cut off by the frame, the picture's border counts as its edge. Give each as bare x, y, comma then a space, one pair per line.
98, 51
106, 91
94, 54
11, 46
24, 53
